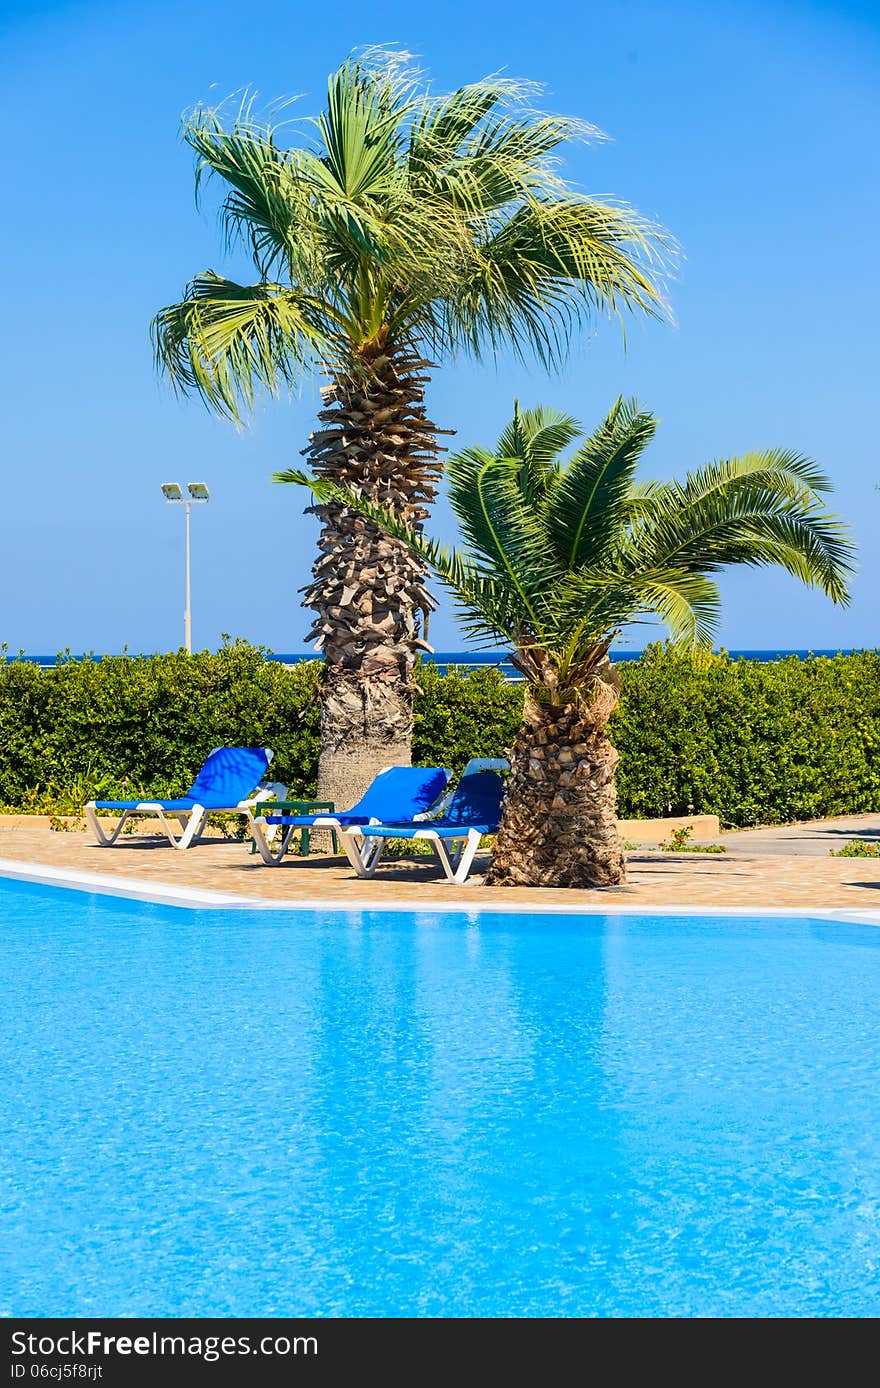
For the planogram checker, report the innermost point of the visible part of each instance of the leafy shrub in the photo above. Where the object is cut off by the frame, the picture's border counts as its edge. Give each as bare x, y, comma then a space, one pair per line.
697, 733
128, 726
679, 841
464, 715
754, 743
63, 824
857, 848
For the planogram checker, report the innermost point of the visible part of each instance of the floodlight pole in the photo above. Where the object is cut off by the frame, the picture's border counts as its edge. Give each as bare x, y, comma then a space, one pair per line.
187, 611
174, 494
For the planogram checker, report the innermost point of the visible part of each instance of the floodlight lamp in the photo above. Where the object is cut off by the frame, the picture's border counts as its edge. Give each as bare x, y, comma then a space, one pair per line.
172, 491
198, 491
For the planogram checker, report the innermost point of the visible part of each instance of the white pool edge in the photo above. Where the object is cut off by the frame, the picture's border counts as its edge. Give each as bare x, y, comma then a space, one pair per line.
108, 884
195, 898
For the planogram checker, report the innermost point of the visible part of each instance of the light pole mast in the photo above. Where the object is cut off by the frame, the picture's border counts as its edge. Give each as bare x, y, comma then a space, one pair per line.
187, 611
173, 493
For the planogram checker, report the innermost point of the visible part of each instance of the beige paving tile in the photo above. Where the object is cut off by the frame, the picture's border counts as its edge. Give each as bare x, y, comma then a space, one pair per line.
655, 879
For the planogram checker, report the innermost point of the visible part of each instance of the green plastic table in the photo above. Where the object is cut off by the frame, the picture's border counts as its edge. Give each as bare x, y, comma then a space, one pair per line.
297, 807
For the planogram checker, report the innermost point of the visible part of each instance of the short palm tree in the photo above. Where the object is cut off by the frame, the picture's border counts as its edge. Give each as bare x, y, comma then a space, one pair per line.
404, 227
558, 556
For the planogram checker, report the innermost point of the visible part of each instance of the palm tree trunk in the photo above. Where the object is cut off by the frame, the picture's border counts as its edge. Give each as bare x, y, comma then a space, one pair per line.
559, 827
369, 594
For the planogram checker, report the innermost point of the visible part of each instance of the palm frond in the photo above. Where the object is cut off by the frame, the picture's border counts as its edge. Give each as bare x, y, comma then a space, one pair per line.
688, 603
585, 508
226, 340
587, 603
441, 127
757, 509
500, 524
257, 209
546, 269
536, 438
360, 129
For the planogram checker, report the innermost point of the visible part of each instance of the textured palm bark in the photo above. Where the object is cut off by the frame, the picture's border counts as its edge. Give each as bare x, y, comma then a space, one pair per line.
559, 827
368, 592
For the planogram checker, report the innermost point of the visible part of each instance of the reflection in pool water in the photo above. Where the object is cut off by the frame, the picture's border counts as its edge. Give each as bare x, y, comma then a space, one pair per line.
272, 1113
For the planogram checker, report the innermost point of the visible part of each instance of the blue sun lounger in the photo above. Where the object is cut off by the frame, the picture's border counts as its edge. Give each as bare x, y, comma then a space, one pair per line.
473, 810
398, 792
226, 782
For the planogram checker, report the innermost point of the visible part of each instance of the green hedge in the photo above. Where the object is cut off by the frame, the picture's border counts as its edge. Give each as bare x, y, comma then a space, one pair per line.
753, 743
459, 716
132, 725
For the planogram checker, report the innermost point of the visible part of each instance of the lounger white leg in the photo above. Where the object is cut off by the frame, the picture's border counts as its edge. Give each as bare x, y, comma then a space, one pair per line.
192, 824
273, 849
175, 840
455, 856
166, 828
442, 853
372, 853
246, 809
353, 847
104, 839
362, 851
193, 832
466, 854
370, 856
196, 837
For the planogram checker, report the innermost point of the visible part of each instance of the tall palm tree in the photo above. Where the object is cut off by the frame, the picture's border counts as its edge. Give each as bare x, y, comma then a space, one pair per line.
558, 556
404, 227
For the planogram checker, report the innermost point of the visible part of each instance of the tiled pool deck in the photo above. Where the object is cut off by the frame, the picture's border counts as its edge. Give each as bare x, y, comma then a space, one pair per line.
766, 868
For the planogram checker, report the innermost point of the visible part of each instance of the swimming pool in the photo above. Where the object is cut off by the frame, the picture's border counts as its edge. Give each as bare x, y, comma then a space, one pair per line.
208, 1112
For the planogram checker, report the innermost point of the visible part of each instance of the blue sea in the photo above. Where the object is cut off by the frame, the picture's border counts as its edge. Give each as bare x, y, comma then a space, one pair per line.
269, 1112
449, 660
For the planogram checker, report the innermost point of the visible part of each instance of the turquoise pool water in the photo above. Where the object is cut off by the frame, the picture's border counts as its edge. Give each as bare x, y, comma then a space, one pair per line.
245, 1113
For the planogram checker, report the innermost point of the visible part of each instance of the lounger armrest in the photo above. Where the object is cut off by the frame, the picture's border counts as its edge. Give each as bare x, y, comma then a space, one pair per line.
441, 804
261, 795
268, 790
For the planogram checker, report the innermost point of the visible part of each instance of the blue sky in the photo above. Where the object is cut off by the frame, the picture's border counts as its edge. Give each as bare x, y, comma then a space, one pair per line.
750, 130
